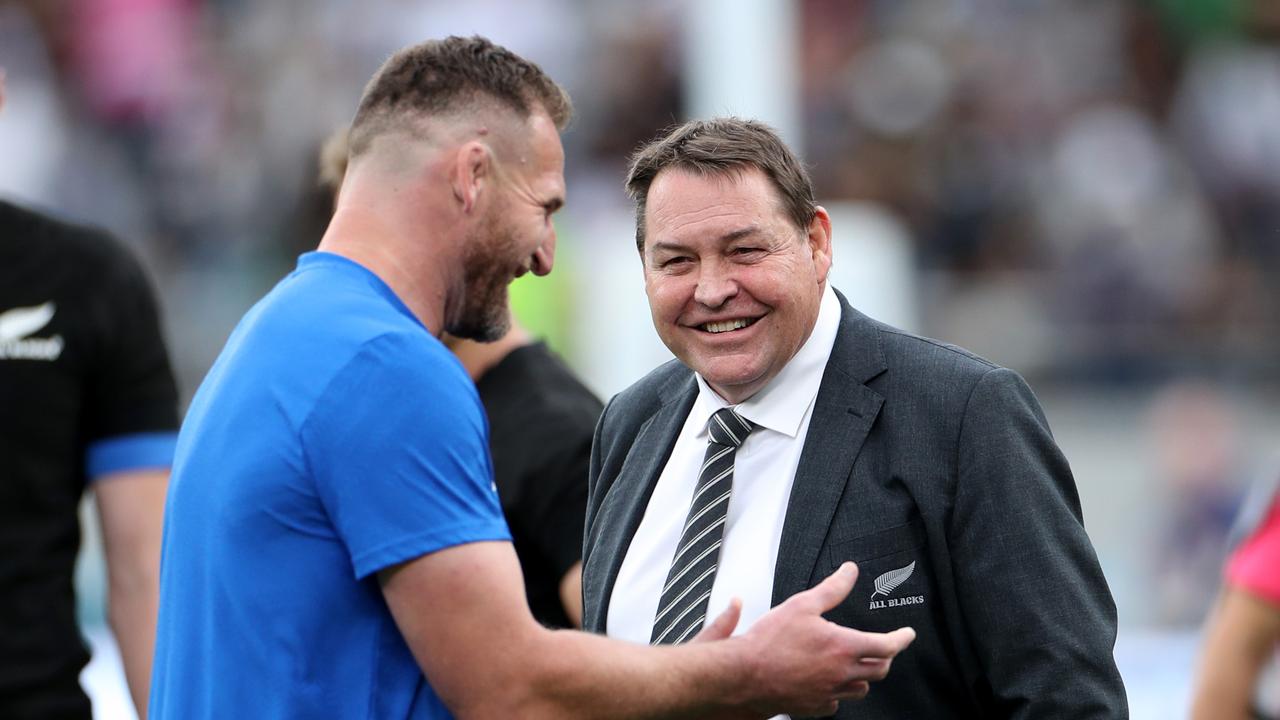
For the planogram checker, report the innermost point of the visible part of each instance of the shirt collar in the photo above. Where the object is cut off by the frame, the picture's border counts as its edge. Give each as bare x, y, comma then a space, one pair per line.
781, 405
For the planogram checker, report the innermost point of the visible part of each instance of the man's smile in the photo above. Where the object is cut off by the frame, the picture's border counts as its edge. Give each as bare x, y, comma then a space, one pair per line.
721, 326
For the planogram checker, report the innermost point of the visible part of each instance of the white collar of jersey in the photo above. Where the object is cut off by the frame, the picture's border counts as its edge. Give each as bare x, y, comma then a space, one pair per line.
781, 405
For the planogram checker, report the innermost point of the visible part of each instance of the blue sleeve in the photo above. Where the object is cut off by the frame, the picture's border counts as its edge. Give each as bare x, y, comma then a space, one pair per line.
398, 448
130, 452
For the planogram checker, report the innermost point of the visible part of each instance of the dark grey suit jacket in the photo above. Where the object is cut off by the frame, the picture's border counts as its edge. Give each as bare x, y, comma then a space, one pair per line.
917, 452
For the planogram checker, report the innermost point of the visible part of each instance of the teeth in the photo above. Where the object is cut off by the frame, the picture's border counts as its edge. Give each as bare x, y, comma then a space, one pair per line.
727, 325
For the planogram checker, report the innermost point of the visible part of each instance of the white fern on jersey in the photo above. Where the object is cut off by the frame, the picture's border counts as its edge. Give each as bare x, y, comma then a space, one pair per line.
18, 323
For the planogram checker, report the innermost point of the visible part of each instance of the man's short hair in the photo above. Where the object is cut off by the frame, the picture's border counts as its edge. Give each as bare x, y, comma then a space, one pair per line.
722, 146
443, 77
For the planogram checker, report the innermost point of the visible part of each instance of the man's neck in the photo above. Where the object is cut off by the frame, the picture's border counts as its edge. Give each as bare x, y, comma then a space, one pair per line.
411, 266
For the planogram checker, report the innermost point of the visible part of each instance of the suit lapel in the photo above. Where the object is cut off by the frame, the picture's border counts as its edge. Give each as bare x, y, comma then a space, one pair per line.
624, 505
843, 414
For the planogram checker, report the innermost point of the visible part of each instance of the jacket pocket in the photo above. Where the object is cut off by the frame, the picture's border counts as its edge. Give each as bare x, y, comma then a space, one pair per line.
895, 584
871, 546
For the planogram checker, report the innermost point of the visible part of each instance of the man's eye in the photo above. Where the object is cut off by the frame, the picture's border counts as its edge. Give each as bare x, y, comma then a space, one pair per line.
674, 262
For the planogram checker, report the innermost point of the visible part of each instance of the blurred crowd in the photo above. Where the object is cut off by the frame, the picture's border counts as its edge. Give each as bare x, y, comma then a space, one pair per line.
1091, 187
1097, 181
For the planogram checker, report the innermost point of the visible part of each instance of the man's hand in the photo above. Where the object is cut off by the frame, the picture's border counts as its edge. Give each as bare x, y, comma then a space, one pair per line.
463, 614
722, 627
804, 664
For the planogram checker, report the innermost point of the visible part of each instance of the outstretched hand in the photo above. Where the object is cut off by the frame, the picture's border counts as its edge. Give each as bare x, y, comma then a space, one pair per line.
805, 664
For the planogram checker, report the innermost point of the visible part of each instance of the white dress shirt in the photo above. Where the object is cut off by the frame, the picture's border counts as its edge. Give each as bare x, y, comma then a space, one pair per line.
764, 468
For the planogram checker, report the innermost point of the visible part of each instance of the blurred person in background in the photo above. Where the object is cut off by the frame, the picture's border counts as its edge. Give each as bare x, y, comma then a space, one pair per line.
89, 403
1200, 458
334, 543
932, 469
1242, 633
541, 418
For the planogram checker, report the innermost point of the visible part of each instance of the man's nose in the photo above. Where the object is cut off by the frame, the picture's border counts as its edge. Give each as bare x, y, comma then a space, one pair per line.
545, 256
715, 285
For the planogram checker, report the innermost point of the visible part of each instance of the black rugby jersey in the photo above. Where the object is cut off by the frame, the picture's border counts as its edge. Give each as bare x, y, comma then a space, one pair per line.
81, 361
541, 420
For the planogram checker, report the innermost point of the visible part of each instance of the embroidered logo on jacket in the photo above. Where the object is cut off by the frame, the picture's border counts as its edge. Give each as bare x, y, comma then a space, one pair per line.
15, 327
889, 582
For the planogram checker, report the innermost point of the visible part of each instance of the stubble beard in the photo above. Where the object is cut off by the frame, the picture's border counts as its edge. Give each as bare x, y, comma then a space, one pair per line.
485, 316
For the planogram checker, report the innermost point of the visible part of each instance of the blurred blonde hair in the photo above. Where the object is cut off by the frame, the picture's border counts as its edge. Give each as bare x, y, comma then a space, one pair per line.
333, 160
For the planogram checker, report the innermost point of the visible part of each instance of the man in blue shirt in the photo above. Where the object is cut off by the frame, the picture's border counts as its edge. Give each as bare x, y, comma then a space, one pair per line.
334, 546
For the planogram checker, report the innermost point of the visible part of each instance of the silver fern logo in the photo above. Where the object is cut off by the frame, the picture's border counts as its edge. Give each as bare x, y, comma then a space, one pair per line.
16, 327
888, 582
892, 579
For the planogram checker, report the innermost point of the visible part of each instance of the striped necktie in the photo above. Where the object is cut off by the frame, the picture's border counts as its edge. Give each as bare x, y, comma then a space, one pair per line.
683, 605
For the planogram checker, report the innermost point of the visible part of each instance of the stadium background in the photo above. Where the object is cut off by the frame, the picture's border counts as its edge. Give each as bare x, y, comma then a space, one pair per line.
1087, 191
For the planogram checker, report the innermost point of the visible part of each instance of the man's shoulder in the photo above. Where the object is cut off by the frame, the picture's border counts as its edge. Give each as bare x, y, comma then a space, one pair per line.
904, 347
323, 306
920, 377
317, 338
642, 399
909, 354
534, 380
40, 244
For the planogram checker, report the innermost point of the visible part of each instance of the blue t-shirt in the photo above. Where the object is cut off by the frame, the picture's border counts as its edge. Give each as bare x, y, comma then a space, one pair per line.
333, 437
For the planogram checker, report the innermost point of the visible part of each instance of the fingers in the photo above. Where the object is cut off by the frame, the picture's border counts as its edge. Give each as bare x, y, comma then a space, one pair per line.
722, 627
871, 670
874, 653
872, 646
897, 641
853, 690
831, 591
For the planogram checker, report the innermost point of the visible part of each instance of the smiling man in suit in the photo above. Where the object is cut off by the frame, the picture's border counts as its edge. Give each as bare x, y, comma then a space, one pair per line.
793, 433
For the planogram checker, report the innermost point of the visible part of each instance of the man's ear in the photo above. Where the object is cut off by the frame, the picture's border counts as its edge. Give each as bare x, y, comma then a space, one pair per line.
472, 173
820, 242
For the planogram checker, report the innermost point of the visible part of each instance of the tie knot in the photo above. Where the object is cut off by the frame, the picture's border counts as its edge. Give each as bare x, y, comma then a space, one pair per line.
729, 428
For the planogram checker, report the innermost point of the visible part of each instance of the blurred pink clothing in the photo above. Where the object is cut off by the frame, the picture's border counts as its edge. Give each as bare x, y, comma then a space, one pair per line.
1255, 565
133, 57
